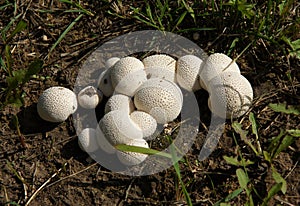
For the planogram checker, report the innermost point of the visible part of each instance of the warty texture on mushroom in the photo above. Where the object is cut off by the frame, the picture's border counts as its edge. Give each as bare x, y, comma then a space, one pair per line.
56, 104
216, 64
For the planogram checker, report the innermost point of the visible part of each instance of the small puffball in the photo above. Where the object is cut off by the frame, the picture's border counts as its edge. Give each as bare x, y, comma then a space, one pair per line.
105, 84
89, 97
145, 122
119, 102
56, 104
111, 62
133, 158
87, 140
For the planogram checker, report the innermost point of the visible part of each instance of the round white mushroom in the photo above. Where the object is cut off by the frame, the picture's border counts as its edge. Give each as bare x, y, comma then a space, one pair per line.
187, 71
216, 64
89, 97
119, 102
104, 83
127, 75
160, 66
133, 158
111, 62
159, 98
56, 104
145, 122
232, 90
87, 140
117, 127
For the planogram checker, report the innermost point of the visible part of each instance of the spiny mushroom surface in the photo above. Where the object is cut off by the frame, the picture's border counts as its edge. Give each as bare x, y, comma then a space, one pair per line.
119, 102
133, 158
89, 97
117, 127
187, 71
159, 98
56, 104
104, 83
87, 140
145, 122
232, 90
160, 66
111, 62
214, 65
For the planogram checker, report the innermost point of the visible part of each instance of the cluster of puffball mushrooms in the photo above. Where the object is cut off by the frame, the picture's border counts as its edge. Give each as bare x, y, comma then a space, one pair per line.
145, 93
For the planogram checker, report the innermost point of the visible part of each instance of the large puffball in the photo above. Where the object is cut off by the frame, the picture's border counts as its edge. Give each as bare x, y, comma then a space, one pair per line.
56, 104
117, 127
160, 66
187, 71
214, 65
160, 98
230, 96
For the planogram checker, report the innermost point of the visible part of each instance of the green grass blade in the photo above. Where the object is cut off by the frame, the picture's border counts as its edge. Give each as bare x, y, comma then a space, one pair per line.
177, 170
129, 148
20, 26
273, 191
64, 33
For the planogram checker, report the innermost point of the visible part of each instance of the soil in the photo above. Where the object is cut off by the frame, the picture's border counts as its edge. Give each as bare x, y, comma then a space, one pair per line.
52, 170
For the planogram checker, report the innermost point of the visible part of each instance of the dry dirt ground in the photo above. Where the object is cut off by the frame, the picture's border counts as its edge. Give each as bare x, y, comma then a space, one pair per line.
54, 171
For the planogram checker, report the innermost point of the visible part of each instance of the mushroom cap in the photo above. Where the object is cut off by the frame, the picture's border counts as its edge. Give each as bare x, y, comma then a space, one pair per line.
123, 67
160, 98
232, 90
131, 82
89, 97
145, 122
117, 127
104, 83
133, 158
119, 102
160, 66
87, 140
187, 70
111, 62
214, 65
56, 104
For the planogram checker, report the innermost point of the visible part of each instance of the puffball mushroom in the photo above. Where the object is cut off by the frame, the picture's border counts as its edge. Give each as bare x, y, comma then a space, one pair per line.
119, 102
89, 97
127, 75
117, 127
103, 143
87, 140
160, 98
111, 62
104, 83
187, 70
214, 65
133, 158
56, 104
160, 66
232, 90
145, 122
